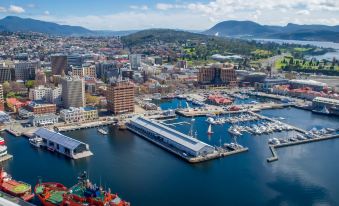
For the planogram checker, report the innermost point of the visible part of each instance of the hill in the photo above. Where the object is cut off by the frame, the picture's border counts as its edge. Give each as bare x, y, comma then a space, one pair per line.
290, 31
17, 24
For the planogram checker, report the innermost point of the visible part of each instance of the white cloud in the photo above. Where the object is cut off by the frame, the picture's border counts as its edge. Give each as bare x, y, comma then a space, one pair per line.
46, 13
201, 16
164, 6
303, 12
2, 9
31, 5
139, 7
16, 9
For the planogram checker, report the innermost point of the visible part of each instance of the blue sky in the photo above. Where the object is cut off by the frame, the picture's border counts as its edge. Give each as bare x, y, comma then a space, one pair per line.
183, 14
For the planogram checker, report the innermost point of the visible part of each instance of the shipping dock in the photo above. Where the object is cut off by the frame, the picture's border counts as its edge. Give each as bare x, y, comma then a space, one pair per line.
182, 145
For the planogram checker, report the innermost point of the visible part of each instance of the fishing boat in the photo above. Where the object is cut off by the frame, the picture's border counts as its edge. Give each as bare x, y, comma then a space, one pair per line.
87, 193
15, 188
36, 141
50, 193
209, 131
2, 141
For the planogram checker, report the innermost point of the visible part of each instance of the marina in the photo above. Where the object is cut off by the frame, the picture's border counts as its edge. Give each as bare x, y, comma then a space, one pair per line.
122, 145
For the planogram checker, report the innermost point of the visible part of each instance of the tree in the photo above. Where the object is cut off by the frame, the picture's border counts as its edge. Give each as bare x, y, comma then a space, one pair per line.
90, 99
6, 88
30, 84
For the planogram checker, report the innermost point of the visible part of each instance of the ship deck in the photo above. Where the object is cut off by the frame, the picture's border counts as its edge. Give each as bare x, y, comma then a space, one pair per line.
79, 191
16, 187
56, 196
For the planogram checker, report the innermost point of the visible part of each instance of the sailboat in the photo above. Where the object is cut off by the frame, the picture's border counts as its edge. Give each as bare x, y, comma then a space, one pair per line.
209, 131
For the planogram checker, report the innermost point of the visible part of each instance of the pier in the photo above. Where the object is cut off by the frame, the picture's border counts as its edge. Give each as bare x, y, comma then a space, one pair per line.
188, 148
298, 142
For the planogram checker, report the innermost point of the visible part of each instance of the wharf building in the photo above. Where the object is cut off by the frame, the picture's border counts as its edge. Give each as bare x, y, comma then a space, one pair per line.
120, 97
73, 92
59, 64
79, 115
169, 139
217, 75
331, 105
43, 120
46, 94
26, 70
63, 144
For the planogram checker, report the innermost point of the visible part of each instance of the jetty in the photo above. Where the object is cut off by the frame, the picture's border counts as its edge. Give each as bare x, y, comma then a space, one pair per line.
186, 147
297, 142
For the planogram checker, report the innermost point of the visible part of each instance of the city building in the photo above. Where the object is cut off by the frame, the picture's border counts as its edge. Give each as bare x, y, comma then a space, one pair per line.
217, 75
74, 60
59, 64
26, 70
44, 120
302, 83
78, 115
36, 109
120, 97
14, 104
268, 84
47, 94
84, 71
73, 92
4, 117
135, 61
5, 72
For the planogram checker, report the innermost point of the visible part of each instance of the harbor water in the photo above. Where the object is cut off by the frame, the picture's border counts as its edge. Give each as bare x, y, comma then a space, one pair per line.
145, 174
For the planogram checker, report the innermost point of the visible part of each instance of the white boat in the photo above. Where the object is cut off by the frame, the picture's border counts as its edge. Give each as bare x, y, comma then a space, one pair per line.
103, 131
210, 120
324, 110
3, 150
209, 131
36, 141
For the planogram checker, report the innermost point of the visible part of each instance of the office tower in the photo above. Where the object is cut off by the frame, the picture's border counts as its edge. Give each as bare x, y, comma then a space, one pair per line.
73, 92
26, 70
120, 97
59, 64
135, 61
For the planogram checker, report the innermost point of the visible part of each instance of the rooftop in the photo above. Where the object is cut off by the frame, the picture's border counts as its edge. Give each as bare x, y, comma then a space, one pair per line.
171, 134
58, 138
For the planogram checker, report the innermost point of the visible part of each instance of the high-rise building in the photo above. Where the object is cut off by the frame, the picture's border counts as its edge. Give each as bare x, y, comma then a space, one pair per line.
120, 97
73, 92
75, 60
59, 64
218, 74
1, 98
26, 70
107, 70
5, 73
135, 60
